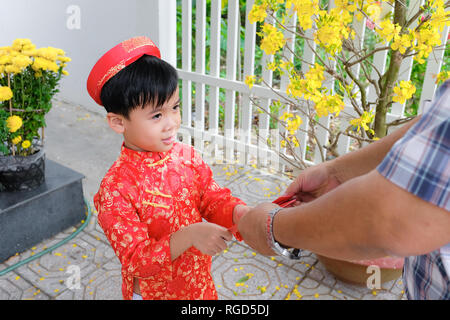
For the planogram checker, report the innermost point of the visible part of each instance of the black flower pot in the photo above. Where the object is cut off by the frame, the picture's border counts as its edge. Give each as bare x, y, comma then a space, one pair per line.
20, 173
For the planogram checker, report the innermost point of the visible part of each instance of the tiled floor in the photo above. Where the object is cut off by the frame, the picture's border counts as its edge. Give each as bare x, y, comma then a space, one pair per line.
81, 140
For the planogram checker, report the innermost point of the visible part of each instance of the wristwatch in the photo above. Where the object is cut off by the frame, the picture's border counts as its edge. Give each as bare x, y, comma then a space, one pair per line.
291, 253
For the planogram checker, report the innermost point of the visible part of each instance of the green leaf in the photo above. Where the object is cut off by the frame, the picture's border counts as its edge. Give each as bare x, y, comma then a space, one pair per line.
243, 279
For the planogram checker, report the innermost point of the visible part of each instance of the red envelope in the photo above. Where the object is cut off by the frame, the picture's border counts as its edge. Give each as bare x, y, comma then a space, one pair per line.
285, 201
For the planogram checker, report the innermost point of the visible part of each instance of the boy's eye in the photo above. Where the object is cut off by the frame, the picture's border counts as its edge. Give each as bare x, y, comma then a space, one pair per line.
176, 107
157, 116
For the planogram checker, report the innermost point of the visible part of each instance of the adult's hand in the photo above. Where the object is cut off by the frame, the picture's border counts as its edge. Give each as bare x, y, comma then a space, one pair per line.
253, 228
313, 182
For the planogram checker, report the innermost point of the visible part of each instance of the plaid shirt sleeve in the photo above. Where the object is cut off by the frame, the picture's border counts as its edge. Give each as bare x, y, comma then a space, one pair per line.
419, 162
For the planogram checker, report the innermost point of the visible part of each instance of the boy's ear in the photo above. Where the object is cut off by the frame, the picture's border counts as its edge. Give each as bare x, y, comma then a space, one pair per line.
116, 122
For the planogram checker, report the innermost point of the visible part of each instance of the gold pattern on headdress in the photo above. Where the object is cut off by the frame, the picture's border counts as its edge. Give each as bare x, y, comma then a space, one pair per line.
135, 43
111, 72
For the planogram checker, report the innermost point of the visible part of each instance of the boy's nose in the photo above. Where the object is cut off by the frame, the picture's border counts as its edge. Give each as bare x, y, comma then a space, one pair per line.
170, 124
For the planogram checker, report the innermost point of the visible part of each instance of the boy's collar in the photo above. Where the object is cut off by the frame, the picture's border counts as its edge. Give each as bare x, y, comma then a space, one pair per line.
138, 156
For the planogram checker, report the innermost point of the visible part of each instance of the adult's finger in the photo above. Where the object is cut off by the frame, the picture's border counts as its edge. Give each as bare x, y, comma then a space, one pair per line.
226, 235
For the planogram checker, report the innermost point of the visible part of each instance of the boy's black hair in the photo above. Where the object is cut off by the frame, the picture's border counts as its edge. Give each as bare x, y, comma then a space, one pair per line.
147, 80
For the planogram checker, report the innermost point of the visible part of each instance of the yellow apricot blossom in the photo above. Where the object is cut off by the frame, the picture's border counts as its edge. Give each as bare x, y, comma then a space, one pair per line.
273, 39
402, 42
388, 30
332, 29
250, 81
294, 124
364, 121
403, 91
442, 76
326, 104
258, 13
305, 9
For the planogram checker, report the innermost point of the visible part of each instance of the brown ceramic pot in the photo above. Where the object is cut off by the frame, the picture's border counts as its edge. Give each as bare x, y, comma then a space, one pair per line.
356, 273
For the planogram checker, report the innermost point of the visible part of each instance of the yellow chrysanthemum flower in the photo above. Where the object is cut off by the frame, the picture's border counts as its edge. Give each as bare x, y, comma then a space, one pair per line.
16, 140
21, 61
19, 43
5, 93
26, 144
13, 123
11, 68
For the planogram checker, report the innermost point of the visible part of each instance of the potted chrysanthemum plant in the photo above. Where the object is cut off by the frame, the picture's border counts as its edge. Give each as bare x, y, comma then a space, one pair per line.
29, 79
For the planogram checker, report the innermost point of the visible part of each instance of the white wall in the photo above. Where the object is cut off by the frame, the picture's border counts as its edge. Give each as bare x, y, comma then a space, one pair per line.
86, 29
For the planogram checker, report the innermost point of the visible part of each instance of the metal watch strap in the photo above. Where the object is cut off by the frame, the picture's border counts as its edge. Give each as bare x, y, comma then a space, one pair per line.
295, 255
272, 243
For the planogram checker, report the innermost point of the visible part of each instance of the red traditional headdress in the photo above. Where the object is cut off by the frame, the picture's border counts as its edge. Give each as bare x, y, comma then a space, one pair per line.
115, 60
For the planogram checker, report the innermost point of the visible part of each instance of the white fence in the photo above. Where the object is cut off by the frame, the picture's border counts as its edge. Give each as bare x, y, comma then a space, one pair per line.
238, 140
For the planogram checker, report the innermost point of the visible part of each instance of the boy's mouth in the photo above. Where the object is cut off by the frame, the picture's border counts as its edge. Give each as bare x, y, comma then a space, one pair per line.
169, 140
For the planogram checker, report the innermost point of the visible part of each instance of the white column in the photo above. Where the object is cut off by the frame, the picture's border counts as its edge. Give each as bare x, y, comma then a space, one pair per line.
158, 20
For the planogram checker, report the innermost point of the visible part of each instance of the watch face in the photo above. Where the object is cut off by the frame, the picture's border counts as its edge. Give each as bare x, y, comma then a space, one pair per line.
291, 253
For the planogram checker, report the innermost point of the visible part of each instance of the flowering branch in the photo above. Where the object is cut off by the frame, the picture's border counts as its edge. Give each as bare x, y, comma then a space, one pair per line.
336, 54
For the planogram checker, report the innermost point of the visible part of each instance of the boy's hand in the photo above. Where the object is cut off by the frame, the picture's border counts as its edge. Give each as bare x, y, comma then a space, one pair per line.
209, 238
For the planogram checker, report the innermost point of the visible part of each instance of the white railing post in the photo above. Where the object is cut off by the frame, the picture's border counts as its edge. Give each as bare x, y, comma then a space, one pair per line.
186, 65
214, 57
166, 27
200, 57
245, 133
230, 96
433, 67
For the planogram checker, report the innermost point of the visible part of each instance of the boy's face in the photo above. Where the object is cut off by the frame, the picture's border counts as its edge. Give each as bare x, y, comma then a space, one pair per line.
150, 129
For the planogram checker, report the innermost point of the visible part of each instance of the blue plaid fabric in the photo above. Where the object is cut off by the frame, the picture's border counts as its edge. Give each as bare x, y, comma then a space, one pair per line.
420, 163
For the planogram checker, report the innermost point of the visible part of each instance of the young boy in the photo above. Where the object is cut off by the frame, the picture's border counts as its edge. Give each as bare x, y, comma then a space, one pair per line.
152, 200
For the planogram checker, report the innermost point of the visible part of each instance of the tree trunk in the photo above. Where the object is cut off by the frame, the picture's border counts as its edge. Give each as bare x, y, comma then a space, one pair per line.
390, 77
